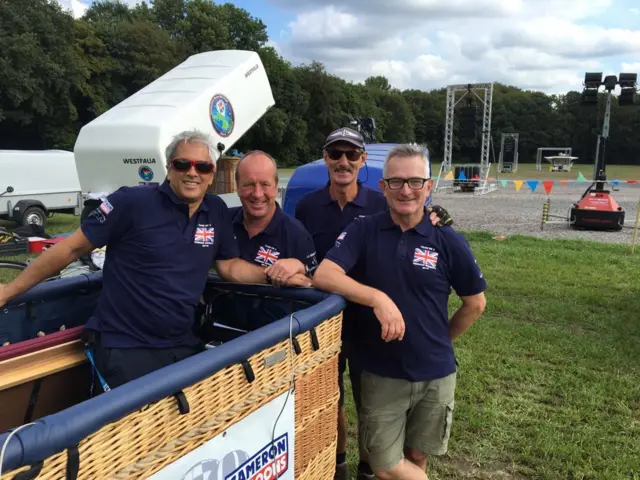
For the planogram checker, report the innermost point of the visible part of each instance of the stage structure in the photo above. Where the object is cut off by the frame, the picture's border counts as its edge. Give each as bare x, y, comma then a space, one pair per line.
556, 150
511, 150
561, 163
473, 176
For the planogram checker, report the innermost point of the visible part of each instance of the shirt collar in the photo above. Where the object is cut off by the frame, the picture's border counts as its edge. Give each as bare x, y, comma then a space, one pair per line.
360, 200
424, 228
271, 228
165, 188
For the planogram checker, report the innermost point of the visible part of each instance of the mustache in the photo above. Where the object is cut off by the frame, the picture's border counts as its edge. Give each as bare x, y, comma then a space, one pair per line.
342, 169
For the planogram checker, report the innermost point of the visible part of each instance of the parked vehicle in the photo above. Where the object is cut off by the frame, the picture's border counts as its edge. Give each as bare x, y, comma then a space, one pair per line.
35, 184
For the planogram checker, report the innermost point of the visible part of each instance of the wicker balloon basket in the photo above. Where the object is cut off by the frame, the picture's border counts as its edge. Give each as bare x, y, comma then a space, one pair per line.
145, 441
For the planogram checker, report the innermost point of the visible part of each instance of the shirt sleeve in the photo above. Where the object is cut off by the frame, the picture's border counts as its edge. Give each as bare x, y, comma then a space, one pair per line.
228, 247
464, 272
349, 245
305, 251
110, 220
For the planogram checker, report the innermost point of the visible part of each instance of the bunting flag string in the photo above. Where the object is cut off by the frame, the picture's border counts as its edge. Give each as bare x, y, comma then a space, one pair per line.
533, 184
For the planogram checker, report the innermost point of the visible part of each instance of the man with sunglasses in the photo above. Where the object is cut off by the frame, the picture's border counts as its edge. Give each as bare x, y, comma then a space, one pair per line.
325, 213
161, 243
404, 346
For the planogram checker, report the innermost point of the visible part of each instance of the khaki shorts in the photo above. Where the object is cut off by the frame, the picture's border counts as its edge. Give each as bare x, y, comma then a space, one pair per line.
397, 413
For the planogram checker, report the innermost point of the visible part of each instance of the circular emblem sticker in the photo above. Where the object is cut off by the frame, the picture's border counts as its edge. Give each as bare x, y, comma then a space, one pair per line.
145, 173
222, 115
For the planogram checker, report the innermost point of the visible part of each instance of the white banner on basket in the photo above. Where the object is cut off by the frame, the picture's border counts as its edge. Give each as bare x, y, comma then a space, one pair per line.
248, 450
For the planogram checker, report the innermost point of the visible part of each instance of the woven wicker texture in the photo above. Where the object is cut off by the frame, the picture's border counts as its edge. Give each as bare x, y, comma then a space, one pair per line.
323, 466
149, 439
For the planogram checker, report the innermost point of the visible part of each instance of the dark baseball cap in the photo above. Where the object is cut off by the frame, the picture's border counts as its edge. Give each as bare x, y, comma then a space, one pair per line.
345, 134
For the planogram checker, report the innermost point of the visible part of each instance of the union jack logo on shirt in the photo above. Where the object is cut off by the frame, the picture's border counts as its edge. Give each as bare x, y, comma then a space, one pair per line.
426, 258
267, 256
204, 235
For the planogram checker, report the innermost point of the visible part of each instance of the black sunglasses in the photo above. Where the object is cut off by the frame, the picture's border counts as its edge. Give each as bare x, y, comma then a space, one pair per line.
184, 165
415, 183
352, 155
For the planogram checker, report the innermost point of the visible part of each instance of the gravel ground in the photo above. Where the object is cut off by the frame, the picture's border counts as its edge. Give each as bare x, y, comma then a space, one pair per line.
508, 212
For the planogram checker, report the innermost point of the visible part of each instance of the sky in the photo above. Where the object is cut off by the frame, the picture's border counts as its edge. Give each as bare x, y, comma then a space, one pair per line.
544, 45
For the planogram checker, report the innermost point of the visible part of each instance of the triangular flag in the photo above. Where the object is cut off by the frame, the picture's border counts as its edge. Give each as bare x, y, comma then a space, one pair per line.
548, 185
449, 175
504, 183
518, 184
533, 184
581, 178
462, 175
564, 182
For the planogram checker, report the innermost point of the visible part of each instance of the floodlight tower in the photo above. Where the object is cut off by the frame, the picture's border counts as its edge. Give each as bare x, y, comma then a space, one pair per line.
597, 209
366, 126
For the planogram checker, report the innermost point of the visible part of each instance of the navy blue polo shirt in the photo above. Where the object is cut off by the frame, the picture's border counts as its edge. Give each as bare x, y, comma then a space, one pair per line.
322, 217
417, 269
284, 237
156, 265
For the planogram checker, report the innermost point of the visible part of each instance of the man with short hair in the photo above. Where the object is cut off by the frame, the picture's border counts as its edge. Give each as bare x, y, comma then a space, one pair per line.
267, 237
407, 269
325, 213
162, 242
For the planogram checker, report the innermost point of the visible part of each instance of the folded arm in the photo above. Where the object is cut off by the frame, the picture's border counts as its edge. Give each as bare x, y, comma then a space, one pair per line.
240, 271
330, 277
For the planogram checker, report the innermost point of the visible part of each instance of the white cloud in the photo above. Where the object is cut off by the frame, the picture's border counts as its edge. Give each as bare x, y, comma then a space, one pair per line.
535, 44
74, 7
77, 8
634, 11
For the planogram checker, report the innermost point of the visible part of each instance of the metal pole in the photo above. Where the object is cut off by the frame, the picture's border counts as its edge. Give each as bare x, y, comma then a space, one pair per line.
635, 230
601, 175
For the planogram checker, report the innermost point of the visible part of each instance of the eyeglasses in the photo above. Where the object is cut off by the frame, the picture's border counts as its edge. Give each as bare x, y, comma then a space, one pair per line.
352, 155
184, 165
415, 183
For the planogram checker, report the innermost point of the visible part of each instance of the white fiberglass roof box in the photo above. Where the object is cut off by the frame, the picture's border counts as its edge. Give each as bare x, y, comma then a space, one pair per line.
222, 93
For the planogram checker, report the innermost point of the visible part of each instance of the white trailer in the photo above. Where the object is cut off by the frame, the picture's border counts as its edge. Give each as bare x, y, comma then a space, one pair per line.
34, 184
222, 93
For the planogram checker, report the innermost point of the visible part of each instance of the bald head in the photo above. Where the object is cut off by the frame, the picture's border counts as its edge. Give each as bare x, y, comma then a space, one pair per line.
255, 161
257, 180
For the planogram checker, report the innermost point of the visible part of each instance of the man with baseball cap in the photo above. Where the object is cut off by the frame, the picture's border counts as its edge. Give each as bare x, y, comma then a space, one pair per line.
325, 213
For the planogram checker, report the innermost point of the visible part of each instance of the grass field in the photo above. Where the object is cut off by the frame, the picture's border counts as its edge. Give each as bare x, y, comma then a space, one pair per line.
548, 382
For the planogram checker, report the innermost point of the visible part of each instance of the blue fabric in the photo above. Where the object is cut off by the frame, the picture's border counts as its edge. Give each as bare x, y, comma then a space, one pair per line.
284, 237
417, 269
53, 433
156, 265
324, 219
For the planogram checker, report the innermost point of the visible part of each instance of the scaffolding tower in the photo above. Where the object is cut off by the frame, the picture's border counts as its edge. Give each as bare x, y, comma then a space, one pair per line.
508, 166
446, 179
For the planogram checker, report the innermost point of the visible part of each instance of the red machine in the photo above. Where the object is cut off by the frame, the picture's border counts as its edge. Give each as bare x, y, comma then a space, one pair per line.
597, 209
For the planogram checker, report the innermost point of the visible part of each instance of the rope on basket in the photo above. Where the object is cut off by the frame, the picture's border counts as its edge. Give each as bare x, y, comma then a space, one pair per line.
256, 397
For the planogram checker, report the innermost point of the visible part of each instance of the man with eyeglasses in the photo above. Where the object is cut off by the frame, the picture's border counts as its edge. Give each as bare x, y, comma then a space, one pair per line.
161, 243
404, 344
325, 213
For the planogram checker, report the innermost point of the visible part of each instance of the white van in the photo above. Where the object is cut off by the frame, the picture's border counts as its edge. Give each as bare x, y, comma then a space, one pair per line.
35, 184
